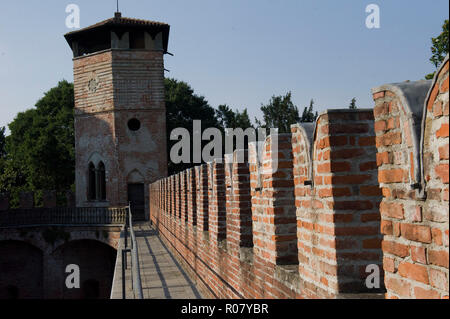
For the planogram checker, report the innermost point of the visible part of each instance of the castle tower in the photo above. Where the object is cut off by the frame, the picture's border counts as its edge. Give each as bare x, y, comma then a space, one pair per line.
120, 116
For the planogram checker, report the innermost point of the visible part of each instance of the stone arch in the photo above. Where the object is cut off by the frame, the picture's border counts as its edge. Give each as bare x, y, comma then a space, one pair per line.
135, 177
96, 261
21, 270
96, 158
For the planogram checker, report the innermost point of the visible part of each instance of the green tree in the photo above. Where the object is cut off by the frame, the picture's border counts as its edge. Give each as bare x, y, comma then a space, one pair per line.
2, 142
230, 119
183, 107
40, 148
308, 114
233, 119
2, 154
439, 48
353, 104
280, 113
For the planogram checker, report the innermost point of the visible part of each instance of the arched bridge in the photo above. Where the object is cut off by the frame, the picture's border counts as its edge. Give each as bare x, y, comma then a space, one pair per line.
37, 244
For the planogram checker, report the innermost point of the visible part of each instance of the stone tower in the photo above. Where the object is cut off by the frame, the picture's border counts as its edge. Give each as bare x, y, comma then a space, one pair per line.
120, 116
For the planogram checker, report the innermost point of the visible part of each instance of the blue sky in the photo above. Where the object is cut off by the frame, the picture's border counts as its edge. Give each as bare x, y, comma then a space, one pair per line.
238, 52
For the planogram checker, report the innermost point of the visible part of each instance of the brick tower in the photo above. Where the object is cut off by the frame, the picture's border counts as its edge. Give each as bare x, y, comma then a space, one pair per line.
120, 123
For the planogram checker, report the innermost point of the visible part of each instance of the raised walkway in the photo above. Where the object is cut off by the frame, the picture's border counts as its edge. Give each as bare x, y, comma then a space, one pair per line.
161, 275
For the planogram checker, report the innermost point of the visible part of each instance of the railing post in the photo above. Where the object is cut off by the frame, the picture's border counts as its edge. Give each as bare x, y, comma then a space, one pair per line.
126, 233
124, 254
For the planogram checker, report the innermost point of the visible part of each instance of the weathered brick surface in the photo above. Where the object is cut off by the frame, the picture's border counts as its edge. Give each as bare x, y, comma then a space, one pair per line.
337, 199
112, 87
259, 232
413, 142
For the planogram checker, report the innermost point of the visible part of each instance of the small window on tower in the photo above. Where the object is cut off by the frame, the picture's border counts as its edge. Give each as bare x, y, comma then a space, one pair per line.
137, 40
134, 125
97, 182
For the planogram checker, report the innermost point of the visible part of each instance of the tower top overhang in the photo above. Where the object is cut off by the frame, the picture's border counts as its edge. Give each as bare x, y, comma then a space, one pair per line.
97, 37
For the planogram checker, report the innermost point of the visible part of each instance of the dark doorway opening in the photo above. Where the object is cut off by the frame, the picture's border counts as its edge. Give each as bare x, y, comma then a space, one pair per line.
137, 200
12, 292
91, 289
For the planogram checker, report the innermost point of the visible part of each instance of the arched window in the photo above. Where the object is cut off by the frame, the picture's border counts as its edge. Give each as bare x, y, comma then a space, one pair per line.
97, 182
101, 181
92, 183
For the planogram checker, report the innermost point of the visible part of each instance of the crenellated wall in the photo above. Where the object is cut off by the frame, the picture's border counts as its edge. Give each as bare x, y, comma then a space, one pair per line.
296, 219
357, 198
337, 200
412, 129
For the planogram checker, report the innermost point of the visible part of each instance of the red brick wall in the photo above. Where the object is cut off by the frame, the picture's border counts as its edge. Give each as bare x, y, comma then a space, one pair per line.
130, 85
337, 216
245, 237
415, 220
364, 187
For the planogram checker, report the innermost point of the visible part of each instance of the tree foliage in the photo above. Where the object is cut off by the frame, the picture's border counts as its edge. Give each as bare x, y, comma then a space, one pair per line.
233, 119
2, 153
308, 114
40, 149
2, 142
183, 107
353, 104
439, 48
280, 113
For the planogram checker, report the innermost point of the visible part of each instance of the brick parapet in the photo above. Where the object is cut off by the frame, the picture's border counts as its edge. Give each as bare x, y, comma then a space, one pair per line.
413, 174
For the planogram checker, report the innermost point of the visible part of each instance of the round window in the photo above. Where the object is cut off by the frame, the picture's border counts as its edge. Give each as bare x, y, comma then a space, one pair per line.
134, 124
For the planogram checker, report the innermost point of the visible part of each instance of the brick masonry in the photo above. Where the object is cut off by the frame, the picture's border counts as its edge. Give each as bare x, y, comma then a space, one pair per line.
257, 230
337, 200
357, 188
413, 146
112, 87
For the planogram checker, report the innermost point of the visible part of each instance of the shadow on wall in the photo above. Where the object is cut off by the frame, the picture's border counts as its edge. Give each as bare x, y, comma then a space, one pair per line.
337, 199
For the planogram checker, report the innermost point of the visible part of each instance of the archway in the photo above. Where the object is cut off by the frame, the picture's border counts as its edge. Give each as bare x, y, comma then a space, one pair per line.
96, 263
21, 271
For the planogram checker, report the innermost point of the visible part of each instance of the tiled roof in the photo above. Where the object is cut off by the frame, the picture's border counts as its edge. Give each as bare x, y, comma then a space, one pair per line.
120, 21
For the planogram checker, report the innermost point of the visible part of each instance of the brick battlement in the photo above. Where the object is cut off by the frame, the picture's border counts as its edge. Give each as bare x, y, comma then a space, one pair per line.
294, 225
412, 128
356, 188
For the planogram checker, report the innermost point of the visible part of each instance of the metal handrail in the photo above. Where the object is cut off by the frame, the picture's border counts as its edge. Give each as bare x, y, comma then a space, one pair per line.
135, 268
